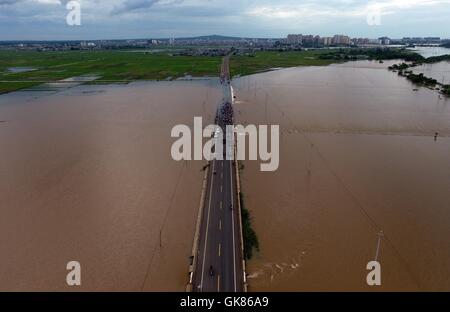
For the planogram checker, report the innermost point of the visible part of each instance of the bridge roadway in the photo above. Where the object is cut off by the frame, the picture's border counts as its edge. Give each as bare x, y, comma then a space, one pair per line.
219, 265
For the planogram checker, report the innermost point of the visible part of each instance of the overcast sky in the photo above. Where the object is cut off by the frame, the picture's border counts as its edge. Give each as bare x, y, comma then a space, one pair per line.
109, 19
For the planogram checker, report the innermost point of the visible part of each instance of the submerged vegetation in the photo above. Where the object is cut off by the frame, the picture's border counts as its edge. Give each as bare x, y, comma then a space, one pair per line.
250, 239
446, 90
420, 79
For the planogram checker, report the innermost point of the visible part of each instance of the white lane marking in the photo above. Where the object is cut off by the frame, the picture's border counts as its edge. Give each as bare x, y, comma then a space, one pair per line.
232, 222
221, 205
220, 249
207, 223
218, 283
220, 225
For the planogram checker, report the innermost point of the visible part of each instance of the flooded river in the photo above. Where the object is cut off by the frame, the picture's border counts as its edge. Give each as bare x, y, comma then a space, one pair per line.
439, 71
430, 51
86, 174
358, 157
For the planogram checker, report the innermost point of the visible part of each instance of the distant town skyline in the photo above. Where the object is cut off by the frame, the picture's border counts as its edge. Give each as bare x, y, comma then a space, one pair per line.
129, 19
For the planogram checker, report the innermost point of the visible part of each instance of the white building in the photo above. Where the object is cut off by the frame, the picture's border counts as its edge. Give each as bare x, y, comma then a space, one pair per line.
295, 39
327, 41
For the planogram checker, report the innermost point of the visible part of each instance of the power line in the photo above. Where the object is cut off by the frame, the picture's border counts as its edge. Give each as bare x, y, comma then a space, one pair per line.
147, 274
355, 200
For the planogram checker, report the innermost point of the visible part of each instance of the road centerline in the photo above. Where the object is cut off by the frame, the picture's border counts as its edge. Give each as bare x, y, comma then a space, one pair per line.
207, 227
232, 222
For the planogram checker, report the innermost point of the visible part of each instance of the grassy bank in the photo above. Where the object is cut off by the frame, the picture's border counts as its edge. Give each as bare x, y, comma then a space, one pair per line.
250, 239
109, 65
264, 61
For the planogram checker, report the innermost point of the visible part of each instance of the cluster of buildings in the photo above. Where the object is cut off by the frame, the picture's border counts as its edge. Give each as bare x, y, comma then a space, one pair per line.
212, 42
420, 40
216, 45
310, 40
342, 40
336, 40
85, 45
367, 41
74, 45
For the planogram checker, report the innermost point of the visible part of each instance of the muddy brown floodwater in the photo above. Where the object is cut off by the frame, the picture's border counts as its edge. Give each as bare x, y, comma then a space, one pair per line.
439, 71
86, 174
358, 156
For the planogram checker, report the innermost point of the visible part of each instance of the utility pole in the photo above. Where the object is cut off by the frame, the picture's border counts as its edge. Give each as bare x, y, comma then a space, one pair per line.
380, 237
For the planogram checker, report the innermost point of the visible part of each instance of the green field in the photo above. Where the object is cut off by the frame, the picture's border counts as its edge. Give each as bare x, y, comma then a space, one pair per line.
263, 61
126, 66
111, 66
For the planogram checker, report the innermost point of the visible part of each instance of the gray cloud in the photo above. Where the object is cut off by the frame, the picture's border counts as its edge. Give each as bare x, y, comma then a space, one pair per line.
34, 19
9, 2
133, 5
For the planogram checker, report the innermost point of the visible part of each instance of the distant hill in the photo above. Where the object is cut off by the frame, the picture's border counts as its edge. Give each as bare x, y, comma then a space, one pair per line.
212, 38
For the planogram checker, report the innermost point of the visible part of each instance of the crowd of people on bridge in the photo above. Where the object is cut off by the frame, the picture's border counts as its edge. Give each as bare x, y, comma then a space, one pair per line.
226, 113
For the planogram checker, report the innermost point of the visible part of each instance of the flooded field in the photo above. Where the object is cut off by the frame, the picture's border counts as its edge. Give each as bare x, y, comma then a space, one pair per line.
86, 174
357, 157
